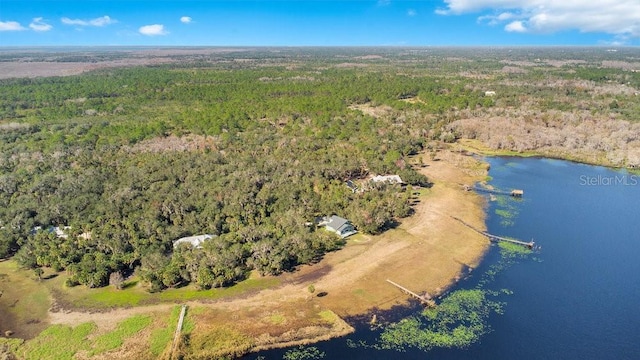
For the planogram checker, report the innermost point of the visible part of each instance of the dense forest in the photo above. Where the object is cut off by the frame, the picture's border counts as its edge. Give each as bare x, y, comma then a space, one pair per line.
262, 153
251, 146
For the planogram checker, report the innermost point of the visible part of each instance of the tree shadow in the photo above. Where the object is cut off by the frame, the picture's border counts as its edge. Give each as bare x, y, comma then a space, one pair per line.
129, 284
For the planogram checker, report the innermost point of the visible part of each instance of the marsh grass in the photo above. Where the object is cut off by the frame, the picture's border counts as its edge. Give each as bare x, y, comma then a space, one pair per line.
160, 338
328, 316
58, 342
9, 347
116, 338
218, 341
277, 319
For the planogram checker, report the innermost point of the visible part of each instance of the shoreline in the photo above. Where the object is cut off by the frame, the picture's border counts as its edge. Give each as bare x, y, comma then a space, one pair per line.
479, 148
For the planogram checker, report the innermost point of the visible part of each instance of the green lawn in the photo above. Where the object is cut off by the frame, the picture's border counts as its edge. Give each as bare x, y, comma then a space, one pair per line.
136, 294
24, 302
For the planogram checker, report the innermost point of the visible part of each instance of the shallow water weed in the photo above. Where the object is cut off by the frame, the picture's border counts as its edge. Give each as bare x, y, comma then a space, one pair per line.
461, 319
304, 353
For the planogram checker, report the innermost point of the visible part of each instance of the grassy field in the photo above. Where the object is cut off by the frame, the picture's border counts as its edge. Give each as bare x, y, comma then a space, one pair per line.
116, 338
24, 315
135, 293
62, 342
161, 337
58, 342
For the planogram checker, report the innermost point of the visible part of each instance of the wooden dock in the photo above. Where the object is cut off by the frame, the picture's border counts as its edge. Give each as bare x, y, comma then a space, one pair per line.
176, 335
515, 192
495, 238
426, 299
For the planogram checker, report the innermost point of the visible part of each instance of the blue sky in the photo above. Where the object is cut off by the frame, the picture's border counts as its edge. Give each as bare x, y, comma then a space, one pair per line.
319, 22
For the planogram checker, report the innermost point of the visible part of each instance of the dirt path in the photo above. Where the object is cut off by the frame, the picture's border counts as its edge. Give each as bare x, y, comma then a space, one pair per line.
427, 252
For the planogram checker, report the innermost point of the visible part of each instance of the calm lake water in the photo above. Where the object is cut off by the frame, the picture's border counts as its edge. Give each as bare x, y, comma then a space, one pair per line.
579, 297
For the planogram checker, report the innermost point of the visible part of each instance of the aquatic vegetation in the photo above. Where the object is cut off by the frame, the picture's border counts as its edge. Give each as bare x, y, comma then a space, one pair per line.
509, 253
459, 321
304, 353
507, 218
507, 210
510, 250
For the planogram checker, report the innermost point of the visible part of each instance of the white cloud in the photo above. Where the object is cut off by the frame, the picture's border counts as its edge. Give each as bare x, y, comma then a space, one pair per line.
616, 17
412, 13
384, 2
497, 19
98, 22
515, 26
38, 25
67, 21
102, 21
153, 30
185, 19
10, 26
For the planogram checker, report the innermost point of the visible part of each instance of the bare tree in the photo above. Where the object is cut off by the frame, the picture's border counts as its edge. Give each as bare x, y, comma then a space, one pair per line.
116, 279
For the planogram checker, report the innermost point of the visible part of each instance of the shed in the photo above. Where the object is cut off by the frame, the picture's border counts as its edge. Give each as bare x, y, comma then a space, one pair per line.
351, 185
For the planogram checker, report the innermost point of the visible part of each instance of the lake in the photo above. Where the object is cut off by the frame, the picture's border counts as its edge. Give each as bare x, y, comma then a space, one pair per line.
576, 298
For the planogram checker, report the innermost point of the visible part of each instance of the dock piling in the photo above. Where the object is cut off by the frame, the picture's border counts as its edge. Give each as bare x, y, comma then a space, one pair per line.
426, 300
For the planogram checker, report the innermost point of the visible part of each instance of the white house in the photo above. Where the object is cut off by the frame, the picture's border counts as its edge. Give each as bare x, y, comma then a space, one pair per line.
59, 231
340, 226
195, 241
390, 179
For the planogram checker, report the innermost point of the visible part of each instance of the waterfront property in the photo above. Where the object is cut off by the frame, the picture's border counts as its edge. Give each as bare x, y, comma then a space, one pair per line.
338, 225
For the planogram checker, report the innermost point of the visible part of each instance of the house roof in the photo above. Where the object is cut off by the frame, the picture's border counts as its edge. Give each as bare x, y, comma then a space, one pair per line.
393, 179
336, 222
59, 231
195, 240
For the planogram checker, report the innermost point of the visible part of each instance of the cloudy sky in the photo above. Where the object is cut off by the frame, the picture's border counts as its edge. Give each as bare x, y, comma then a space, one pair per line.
319, 22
